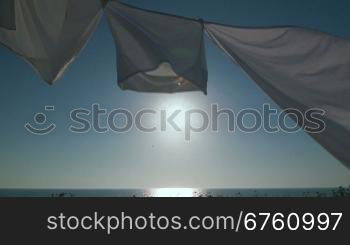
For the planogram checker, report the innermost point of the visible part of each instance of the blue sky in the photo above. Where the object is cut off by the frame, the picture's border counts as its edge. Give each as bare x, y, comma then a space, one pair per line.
136, 160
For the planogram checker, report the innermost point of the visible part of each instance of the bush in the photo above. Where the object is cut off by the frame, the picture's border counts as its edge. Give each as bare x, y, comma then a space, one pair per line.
342, 192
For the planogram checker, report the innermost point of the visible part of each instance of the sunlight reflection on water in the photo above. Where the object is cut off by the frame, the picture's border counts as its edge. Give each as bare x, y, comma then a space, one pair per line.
174, 192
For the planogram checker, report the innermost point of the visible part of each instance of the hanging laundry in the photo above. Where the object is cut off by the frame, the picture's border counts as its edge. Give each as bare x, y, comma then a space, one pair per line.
300, 69
157, 52
49, 33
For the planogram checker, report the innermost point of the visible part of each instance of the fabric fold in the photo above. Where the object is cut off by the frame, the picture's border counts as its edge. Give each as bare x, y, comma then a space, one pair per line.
7, 14
157, 52
49, 34
300, 69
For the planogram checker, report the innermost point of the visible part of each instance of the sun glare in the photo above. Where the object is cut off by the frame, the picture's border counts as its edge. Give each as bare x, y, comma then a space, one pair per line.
176, 108
173, 192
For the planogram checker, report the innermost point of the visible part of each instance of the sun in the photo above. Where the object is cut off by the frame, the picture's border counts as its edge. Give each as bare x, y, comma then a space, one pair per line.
176, 107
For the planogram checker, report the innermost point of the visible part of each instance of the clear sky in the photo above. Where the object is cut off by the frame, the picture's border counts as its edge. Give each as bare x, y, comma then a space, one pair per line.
137, 160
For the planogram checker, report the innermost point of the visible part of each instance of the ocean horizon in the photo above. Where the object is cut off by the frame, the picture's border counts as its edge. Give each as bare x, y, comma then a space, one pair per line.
172, 192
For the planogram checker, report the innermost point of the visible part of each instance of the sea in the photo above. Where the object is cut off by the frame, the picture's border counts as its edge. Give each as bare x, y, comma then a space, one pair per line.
170, 192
